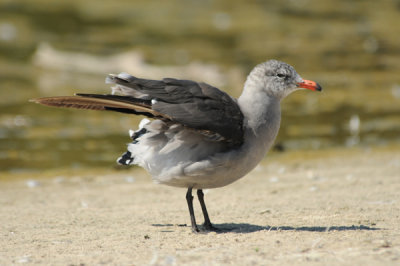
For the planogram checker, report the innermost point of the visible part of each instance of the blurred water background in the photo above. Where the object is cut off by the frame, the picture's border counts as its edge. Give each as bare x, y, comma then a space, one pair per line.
47, 48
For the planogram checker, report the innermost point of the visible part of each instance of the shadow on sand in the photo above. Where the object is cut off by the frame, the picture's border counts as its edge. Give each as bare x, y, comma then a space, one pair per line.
251, 228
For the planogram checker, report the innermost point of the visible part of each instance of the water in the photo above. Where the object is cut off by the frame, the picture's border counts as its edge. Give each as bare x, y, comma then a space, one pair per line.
350, 48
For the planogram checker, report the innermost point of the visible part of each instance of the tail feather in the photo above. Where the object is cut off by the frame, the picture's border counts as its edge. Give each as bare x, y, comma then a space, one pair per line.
115, 103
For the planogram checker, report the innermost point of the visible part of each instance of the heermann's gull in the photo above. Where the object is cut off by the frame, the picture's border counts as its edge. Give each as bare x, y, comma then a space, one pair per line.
200, 137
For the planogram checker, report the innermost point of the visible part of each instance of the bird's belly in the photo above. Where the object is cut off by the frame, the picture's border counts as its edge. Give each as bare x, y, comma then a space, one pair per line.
191, 161
216, 171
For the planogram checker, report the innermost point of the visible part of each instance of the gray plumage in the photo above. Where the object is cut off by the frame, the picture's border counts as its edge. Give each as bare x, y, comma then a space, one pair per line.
200, 137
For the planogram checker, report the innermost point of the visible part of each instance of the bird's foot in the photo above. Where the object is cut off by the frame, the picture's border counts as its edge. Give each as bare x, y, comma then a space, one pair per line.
208, 227
196, 230
205, 228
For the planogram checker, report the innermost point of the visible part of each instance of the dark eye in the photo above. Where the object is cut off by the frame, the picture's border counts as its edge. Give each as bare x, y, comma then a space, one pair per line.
279, 75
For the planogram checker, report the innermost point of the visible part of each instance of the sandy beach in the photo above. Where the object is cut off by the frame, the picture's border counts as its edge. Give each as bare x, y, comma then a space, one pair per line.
331, 207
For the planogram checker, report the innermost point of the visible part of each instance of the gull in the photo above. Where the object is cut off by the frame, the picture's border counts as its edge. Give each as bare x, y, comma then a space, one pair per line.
198, 137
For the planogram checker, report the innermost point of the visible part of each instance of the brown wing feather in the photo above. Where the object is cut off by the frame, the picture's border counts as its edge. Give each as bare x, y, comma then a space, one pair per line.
90, 103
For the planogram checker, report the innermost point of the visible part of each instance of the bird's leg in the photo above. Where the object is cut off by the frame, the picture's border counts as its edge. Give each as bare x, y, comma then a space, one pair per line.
189, 199
207, 223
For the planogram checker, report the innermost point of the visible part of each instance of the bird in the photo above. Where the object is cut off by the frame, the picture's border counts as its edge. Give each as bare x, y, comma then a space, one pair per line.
194, 135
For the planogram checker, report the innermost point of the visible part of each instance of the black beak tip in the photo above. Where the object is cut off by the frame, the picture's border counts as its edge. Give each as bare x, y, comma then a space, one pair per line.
318, 87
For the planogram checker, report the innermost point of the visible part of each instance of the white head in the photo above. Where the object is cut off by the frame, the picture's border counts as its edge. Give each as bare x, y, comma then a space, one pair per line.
278, 79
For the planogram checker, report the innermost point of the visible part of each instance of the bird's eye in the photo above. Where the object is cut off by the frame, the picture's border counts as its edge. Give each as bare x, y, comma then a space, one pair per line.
279, 75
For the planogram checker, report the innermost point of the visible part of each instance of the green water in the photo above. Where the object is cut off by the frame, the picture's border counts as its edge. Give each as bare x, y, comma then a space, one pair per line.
352, 48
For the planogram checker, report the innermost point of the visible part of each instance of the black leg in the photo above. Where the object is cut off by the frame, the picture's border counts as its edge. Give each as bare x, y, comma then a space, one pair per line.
189, 199
207, 223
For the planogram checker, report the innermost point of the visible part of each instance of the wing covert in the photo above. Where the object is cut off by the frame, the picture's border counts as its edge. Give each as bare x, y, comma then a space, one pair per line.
196, 105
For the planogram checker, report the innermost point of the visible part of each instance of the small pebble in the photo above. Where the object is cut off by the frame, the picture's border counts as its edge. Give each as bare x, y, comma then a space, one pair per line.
32, 183
24, 259
130, 179
84, 204
274, 179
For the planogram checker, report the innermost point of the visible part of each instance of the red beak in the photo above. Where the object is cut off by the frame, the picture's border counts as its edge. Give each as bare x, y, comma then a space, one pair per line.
310, 85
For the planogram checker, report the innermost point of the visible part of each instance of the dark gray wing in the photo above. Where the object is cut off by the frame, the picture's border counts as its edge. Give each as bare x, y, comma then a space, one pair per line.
195, 105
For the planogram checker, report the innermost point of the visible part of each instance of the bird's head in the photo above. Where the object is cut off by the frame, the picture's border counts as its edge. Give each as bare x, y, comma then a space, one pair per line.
279, 79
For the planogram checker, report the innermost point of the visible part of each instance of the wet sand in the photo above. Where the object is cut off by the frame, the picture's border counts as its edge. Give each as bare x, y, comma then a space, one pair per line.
332, 207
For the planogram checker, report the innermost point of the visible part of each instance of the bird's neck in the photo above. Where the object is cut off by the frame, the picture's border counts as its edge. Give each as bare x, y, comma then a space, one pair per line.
262, 116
